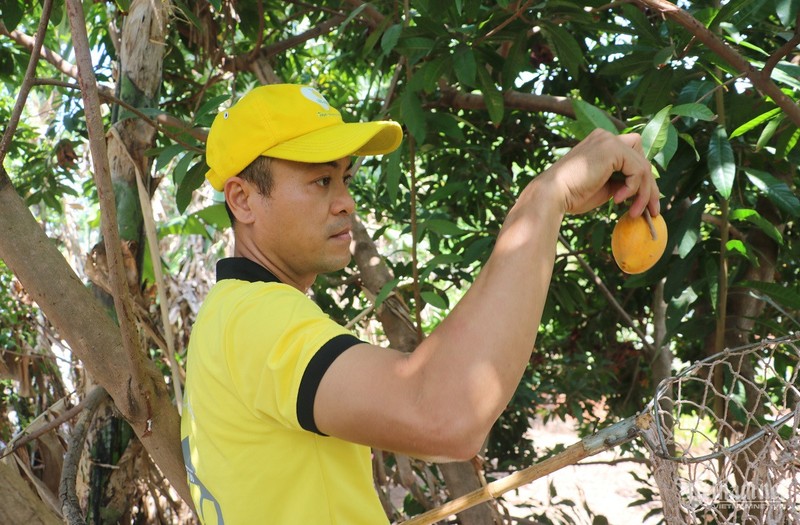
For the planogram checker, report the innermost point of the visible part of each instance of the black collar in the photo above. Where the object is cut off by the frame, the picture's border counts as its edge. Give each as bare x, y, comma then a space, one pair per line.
244, 269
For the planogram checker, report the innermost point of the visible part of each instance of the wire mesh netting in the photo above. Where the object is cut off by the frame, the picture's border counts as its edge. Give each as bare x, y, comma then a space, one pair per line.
724, 438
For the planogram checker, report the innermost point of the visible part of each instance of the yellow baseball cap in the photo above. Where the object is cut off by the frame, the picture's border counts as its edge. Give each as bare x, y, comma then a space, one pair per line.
292, 122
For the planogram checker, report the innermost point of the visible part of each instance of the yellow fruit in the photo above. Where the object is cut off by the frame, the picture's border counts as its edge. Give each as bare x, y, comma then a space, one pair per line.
633, 245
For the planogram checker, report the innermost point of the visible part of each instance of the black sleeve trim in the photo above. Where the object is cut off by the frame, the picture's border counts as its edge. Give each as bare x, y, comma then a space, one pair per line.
316, 368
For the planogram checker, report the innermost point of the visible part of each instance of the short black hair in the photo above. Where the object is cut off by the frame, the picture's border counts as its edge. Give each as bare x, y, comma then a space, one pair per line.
258, 173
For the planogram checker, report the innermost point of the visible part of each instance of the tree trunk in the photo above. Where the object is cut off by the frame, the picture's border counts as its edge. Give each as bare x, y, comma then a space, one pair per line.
91, 333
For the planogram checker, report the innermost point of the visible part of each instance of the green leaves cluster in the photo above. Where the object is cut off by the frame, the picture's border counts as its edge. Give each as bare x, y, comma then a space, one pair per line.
490, 94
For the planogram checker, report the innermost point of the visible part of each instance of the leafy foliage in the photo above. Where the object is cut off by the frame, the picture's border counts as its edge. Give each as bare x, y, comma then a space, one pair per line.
476, 86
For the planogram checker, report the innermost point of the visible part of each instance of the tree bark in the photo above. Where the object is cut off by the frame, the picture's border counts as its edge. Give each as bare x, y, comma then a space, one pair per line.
20, 503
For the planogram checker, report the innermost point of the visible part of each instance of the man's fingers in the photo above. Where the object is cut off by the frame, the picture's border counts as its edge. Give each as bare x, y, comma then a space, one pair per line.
634, 141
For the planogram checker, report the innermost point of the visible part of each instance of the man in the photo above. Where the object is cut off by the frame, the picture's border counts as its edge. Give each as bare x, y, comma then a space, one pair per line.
282, 404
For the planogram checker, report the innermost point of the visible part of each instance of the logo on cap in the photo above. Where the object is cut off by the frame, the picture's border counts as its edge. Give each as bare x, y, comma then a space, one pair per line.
315, 96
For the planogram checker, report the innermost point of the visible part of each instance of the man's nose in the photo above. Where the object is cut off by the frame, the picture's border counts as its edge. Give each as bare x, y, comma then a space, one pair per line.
343, 202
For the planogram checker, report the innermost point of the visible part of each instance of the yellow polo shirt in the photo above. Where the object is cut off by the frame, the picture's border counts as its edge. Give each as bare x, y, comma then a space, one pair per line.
252, 450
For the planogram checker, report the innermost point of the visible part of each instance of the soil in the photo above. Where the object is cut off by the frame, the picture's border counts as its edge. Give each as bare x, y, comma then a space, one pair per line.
594, 489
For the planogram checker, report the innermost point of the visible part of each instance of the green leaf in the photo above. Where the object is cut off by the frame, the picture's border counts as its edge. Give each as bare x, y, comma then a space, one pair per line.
768, 132
393, 173
590, 117
788, 296
663, 56
753, 217
386, 290
465, 65
687, 230
167, 154
188, 14
390, 38
443, 227
694, 110
491, 96
428, 75
214, 215
567, 49
209, 108
182, 166
776, 191
654, 135
413, 116
433, 299
11, 14
670, 147
518, 59
791, 143
754, 123
688, 139
787, 11
194, 179
720, 162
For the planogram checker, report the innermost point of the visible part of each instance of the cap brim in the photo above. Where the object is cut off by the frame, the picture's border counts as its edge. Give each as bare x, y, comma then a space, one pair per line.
341, 140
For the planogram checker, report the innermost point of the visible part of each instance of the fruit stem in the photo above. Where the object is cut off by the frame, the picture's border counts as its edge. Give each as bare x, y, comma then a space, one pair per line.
650, 225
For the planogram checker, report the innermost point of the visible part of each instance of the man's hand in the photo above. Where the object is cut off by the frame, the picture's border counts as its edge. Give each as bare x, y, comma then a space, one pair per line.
583, 175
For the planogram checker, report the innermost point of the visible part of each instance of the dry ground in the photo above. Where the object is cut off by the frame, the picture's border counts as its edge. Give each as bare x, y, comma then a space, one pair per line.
606, 490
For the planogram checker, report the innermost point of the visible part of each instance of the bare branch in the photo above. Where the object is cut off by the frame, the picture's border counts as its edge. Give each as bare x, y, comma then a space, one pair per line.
54, 58
27, 82
516, 100
69, 500
784, 50
105, 192
162, 122
243, 61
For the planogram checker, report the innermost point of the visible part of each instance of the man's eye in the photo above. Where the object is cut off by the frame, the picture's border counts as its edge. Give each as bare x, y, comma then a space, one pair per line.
325, 181
348, 179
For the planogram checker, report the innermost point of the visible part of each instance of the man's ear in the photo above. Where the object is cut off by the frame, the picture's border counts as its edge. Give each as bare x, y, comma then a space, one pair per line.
237, 195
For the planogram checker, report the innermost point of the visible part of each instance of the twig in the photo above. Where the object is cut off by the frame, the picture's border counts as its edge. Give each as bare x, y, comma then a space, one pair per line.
650, 224
105, 193
504, 23
26, 435
59, 62
608, 295
70, 506
160, 122
784, 50
27, 82
243, 61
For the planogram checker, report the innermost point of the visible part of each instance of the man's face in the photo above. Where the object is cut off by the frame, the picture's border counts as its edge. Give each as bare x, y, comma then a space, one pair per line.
303, 227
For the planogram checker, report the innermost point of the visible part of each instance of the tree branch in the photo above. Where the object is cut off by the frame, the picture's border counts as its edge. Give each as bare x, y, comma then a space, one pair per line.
27, 82
243, 61
784, 50
760, 79
160, 122
70, 506
516, 100
36, 429
54, 58
105, 193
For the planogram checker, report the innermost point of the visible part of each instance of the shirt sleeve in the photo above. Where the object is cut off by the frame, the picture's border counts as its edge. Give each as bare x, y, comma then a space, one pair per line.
279, 344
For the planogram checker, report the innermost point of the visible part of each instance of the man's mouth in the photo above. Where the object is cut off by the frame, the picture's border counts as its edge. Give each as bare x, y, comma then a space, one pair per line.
342, 235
